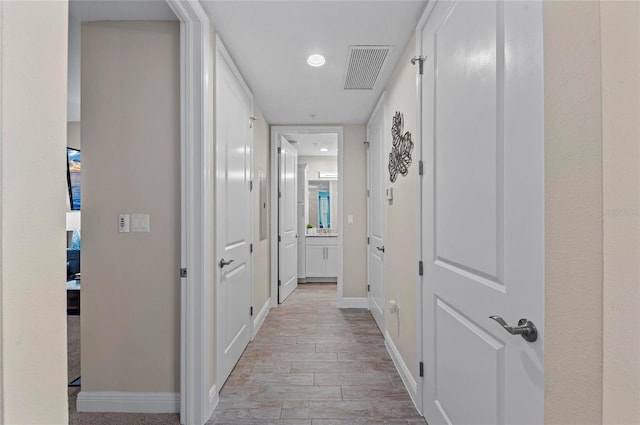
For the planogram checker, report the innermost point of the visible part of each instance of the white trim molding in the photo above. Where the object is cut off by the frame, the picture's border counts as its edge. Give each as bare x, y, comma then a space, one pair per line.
196, 153
353, 302
125, 402
259, 319
214, 398
405, 373
276, 131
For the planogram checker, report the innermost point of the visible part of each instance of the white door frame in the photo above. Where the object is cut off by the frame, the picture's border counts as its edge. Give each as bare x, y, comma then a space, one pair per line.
222, 54
276, 132
197, 400
419, 225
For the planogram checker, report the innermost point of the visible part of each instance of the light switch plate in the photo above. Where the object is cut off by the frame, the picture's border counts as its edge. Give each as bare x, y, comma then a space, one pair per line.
140, 223
123, 223
350, 219
389, 193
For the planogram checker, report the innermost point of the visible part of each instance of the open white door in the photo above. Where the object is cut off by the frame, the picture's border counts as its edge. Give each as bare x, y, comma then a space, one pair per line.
288, 220
377, 212
233, 217
483, 211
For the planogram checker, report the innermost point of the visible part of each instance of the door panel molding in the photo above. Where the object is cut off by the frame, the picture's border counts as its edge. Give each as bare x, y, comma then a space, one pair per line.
233, 214
481, 124
376, 214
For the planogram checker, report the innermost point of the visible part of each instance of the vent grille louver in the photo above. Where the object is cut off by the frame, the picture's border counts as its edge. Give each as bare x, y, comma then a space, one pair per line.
365, 66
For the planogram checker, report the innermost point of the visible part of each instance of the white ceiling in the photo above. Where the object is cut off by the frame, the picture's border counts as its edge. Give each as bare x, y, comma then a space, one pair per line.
309, 144
121, 10
271, 40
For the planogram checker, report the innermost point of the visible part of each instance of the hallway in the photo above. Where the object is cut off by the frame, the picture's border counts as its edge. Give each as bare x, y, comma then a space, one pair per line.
314, 364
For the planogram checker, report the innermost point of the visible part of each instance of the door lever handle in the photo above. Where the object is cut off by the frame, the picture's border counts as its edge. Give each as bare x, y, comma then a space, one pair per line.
223, 263
380, 248
526, 329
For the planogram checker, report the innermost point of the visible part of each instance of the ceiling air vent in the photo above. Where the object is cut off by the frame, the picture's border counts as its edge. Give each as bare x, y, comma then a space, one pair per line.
365, 66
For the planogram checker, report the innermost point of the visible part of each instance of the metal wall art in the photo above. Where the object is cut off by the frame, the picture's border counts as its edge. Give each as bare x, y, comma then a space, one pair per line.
400, 156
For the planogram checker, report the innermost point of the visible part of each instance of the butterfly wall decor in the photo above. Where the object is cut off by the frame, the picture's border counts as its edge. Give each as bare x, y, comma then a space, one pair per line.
400, 156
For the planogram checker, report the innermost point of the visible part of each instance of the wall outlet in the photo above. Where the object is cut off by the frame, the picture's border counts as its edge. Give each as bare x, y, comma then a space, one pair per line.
393, 306
124, 223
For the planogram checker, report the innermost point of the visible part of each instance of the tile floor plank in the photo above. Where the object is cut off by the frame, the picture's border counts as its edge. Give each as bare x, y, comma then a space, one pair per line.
314, 364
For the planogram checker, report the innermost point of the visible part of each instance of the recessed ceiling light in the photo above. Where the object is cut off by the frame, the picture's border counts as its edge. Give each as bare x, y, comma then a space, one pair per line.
324, 150
316, 60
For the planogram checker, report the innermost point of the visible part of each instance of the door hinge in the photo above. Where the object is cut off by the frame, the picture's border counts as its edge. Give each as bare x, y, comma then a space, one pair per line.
279, 194
368, 193
368, 240
421, 60
183, 272
250, 248
251, 310
420, 268
368, 288
279, 239
366, 143
420, 167
250, 185
279, 150
279, 282
421, 366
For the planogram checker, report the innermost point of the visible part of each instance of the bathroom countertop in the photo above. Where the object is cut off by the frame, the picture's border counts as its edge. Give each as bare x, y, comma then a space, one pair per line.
322, 235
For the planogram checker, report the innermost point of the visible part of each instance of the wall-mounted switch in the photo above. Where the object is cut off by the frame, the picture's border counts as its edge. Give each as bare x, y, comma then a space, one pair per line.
389, 193
350, 219
124, 223
140, 223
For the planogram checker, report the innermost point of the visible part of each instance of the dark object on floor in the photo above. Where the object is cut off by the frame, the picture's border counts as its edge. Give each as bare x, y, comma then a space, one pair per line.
76, 382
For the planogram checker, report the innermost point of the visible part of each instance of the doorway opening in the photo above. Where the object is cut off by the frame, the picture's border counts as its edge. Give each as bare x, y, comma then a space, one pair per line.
307, 208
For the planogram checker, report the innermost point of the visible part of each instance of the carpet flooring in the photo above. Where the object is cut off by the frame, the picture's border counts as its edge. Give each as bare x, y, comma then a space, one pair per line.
310, 364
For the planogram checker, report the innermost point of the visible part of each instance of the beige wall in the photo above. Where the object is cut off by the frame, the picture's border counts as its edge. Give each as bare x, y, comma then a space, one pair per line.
33, 78
620, 47
73, 134
401, 258
261, 252
131, 164
355, 203
573, 213
319, 163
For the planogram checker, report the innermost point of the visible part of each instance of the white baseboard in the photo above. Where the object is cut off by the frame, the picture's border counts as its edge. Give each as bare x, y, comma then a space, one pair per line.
259, 320
353, 302
214, 398
115, 401
318, 280
403, 370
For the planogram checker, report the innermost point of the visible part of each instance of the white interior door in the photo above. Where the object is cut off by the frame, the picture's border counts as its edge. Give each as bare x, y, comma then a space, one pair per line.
377, 215
288, 232
233, 219
483, 211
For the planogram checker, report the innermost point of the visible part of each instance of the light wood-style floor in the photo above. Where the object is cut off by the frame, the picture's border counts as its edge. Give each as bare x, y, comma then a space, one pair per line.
314, 364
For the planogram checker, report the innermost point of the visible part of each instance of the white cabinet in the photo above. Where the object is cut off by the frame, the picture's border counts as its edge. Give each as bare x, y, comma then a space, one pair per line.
331, 261
321, 257
315, 262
